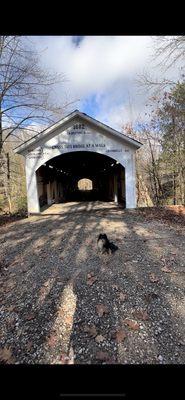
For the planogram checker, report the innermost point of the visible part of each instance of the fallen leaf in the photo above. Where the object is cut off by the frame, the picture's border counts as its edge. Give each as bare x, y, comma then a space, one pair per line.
166, 269
101, 310
140, 314
90, 274
90, 329
119, 335
131, 323
29, 345
140, 286
15, 262
151, 296
11, 308
102, 356
91, 280
24, 269
111, 360
122, 296
6, 289
9, 286
42, 291
6, 355
51, 340
30, 316
11, 323
99, 338
153, 278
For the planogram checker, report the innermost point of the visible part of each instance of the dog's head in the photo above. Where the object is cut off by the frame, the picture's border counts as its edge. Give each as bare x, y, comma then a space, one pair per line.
102, 237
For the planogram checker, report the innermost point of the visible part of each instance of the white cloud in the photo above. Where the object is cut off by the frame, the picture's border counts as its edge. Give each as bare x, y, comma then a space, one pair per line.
102, 66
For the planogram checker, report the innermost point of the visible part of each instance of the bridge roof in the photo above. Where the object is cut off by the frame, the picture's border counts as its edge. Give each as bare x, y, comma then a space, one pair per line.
61, 123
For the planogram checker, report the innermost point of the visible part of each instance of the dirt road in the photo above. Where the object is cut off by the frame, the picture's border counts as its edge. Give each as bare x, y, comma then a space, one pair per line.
62, 302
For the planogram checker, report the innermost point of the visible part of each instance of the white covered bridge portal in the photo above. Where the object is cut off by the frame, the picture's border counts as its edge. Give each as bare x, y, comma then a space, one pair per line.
79, 147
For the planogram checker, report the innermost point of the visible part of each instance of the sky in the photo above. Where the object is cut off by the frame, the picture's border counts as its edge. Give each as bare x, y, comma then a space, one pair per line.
101, 74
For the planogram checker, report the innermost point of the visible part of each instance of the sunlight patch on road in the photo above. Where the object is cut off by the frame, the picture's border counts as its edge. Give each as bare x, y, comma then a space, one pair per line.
64, 322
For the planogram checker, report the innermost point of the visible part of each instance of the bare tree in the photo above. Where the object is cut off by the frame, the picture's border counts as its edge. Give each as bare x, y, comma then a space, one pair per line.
26, 92
153, 166
168, 52
149, 186
25, 89
150, 83
166, 115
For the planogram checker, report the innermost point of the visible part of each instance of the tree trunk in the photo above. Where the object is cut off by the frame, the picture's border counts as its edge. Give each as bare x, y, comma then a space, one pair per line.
154, 173
1, 131
174, 190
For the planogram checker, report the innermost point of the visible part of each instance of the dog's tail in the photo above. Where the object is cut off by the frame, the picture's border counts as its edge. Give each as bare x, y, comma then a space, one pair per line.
113, 247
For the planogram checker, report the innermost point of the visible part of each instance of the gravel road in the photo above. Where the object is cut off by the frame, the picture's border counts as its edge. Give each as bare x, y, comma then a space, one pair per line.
64, 303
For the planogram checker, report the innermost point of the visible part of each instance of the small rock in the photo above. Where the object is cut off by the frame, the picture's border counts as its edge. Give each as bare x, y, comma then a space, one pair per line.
153, 278
122, 296
99, 338
115, 287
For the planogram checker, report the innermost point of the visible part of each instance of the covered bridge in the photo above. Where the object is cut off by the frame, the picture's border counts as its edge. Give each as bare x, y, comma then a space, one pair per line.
77, 159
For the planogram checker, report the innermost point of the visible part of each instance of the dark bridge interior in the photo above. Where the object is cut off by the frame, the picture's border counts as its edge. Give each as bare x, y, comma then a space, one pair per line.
58, 178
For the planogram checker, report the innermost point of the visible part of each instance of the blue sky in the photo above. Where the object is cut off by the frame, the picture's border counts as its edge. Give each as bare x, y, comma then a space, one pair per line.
91, 106
101, 74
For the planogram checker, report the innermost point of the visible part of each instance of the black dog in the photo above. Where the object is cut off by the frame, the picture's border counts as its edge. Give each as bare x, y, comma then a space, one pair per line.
104, 246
